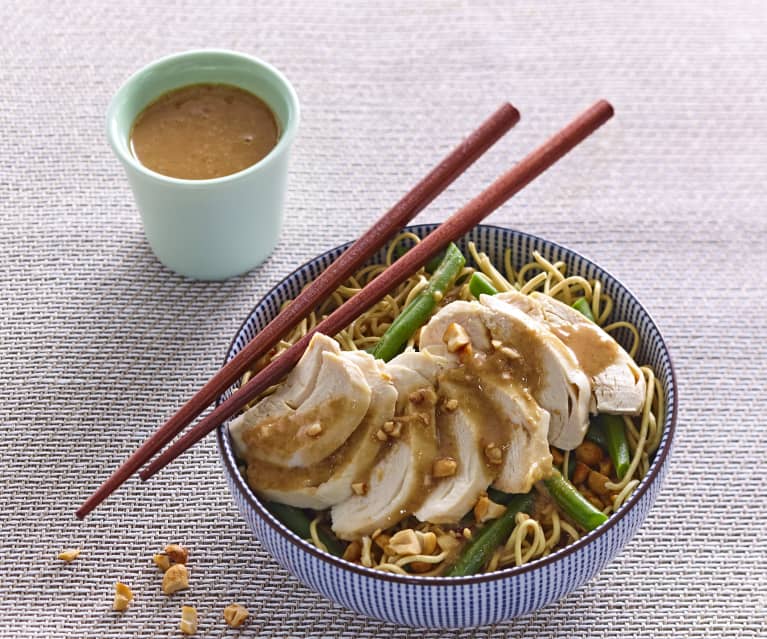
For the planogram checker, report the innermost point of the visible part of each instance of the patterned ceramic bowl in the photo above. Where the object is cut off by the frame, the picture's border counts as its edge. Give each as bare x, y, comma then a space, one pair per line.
439, 602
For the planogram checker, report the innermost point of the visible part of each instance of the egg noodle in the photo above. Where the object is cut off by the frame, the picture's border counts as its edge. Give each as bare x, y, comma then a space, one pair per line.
550, 528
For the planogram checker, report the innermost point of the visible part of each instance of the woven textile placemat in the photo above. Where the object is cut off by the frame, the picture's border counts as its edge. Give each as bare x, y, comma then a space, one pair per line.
99, 342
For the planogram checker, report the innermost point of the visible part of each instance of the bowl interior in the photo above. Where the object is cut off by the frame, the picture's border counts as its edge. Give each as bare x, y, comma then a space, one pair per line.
494, 241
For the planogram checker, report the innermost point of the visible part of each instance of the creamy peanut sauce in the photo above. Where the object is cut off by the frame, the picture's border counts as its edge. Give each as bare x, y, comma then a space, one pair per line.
594, 351
204, 131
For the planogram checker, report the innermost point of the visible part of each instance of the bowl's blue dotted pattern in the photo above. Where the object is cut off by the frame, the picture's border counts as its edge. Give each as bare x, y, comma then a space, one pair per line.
469, 601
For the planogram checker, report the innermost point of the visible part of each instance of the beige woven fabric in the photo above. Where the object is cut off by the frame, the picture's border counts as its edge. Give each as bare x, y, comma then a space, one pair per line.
99, 342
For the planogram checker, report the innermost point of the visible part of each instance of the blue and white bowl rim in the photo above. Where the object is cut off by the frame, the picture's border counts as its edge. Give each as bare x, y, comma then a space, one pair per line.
658, 462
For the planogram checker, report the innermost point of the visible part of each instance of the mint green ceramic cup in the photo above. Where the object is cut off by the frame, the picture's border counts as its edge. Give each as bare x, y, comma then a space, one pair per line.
218, 228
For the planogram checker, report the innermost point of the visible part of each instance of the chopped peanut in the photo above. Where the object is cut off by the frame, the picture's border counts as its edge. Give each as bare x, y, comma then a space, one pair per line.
597, 483
188, 623
314, 430
580, 473
493, 453
417, 396
428, 541
467, 533
70, 554
123, 597
353, 551
451, 405
235, 615
359, 488
456, 337
510, 353
405, 542
176, 578
444, 467
176, 553
447, 542
589, 453
381, 435
162, 561
388, 427
486, 509
382, 540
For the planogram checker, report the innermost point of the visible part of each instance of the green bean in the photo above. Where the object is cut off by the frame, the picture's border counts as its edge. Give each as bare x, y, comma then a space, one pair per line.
298, 521
480, 284
617, 444
417, 313
485, 541
596, 432
584, 308
573, 503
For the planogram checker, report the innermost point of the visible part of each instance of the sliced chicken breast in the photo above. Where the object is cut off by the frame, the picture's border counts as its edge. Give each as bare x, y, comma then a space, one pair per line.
295, 389
331, 481
617, 384
398, 481
451, 497
547, 369
275, 432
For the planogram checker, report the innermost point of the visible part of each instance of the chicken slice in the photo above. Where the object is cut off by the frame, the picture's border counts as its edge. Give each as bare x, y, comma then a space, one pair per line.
275, 432
527, 458
294, 390
451, 497
471, 316
617, 384
547, 369
330, 481
397, 483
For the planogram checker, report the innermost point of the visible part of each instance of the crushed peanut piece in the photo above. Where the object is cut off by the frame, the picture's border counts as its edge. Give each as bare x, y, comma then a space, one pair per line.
405, 542
176, 553
417, 396
162, 561
485, 509
314, 430
382, 540
444, 467
596, 482
493, 453
359, 488
455, 337
580, 473
589, 453
353, 551
123, 597
235, 615
188, 623
388, 427
467, 533
176, 578
496, 343
397, 430
428, 541
447, 542
70, 554
381, 435
451, 404
510, 353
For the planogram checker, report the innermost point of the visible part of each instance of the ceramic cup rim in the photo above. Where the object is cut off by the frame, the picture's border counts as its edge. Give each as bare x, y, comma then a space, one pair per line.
288, 133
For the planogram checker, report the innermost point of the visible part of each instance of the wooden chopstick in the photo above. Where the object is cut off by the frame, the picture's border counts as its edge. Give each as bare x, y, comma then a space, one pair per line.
452, 229
444, 174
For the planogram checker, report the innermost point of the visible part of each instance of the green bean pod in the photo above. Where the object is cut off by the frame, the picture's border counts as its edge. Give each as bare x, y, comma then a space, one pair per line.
573, 503
596, 432
417, 313
584, 308
480, 284
617, 444
298, 521
485, 541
